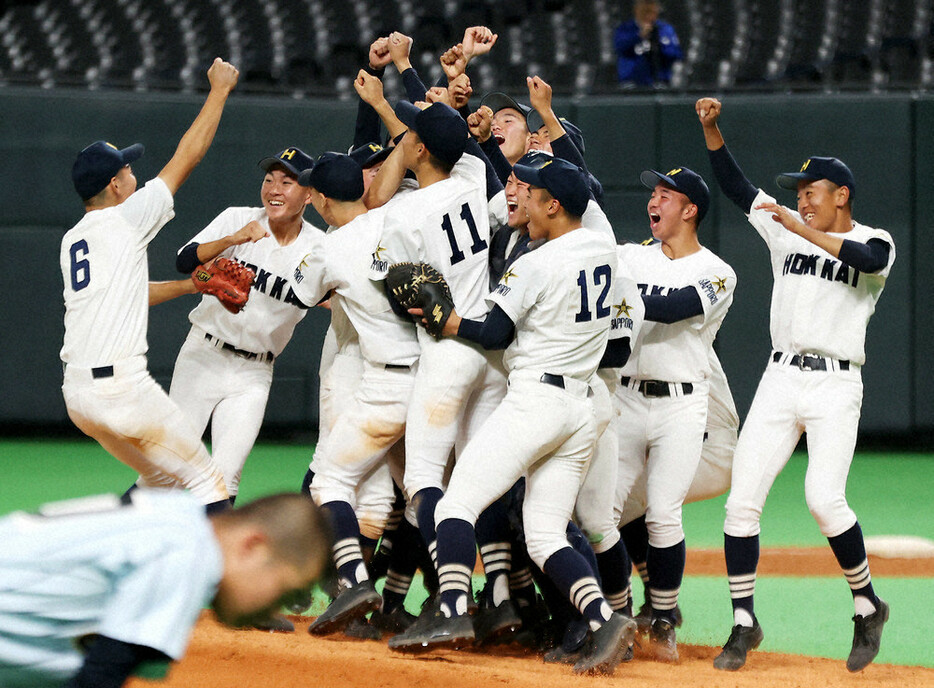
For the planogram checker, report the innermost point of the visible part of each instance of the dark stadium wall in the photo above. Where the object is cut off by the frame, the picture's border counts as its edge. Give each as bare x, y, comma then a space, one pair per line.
887, 141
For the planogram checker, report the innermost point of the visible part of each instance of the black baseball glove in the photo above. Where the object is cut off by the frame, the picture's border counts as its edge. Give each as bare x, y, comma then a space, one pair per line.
419, 285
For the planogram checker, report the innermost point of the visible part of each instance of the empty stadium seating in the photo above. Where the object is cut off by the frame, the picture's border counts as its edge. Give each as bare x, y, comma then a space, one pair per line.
314, 47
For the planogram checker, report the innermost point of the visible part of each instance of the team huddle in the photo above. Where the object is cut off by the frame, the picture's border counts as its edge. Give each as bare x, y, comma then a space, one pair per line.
499, 375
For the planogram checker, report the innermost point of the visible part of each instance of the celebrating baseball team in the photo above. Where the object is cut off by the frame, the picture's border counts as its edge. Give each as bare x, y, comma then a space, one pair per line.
499, 376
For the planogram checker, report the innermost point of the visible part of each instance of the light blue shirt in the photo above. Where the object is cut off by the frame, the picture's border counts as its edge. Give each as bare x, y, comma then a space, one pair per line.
139, 574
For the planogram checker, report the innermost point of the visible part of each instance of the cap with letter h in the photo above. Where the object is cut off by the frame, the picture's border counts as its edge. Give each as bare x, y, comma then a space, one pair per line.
335, 175
815, 168
97, 164
565, 181
682, 180
293, 159
369, 154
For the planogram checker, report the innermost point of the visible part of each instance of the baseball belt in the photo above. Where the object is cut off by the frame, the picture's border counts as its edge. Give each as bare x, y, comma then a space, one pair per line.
808, 362
248, 355
658, 388
558, 381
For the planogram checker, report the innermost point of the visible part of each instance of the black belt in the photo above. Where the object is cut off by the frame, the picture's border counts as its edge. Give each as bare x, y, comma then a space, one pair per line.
805, 362
103, 371
558, 381
397, 366
658, 388
248, 355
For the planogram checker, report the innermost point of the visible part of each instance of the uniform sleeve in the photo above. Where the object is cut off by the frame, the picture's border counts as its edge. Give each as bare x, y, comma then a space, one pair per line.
399, 240
149, 209
498, 211
518, 290
768, 229
715, 288
594, 218
312, 278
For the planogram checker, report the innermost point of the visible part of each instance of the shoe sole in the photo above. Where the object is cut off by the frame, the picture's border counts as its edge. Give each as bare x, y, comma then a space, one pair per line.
339, 621
737, 667
607, 665
428, 644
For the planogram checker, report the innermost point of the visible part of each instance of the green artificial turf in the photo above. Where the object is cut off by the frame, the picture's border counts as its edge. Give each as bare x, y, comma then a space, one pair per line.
808, 616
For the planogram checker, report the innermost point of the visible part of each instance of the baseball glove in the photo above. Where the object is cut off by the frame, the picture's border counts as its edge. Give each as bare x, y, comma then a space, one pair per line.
419, 285
226, 279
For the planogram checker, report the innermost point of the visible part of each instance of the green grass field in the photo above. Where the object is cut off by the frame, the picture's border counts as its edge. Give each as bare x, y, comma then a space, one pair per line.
809, 616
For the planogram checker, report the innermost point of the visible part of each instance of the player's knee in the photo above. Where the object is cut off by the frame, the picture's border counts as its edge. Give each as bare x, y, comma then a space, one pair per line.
833, 514
542, 545
742, 519
372, 524
603, 541
452, 507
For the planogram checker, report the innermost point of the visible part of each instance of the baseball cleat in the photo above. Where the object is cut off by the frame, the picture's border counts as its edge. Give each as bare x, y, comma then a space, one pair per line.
360, 629
742, 639
664, 641
351, 603
644, 617
396, 621
867, 634
492, 623
438, 632
608, 646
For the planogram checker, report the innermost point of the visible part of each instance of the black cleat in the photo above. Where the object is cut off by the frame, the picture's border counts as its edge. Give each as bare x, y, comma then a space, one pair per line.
608, 646
438, 632
664, 641
742, 639
360, 629
867, 633
351, 603
644, 617
493, 623
396, 621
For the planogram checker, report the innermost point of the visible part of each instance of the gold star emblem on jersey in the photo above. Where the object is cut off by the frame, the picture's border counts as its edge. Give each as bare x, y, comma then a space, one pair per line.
505, 278
720, 284
622, 309
377, 252
304, 263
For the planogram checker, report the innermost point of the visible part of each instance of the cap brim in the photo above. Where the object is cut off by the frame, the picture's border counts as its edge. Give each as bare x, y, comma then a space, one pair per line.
534, 121
304, 179
377, 158
650, 178
266, 163
790, 180
497, 101
407, 112
529, 175
132, 153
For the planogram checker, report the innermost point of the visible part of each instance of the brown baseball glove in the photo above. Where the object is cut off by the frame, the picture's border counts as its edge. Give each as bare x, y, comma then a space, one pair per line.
226, 279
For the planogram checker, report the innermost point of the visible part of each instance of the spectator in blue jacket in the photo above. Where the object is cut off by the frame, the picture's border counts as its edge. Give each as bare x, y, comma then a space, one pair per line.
647, 47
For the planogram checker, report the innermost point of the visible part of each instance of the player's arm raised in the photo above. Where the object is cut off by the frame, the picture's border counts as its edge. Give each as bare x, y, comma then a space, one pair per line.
370, 90
196, 141
730, 177
387, 180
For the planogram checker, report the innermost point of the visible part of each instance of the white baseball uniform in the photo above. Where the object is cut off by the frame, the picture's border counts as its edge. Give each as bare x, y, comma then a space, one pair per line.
139, 574
560, 298
224, 369
663, 404
820, 310
368, 426
447, 225
108, 391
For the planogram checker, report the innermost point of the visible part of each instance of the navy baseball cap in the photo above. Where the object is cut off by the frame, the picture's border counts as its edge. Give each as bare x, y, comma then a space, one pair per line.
565, 181
369, 154
292, 159
97, 164
815, 168
535, 122
685, 181
439, 126
535, 158
336, 175
497, 101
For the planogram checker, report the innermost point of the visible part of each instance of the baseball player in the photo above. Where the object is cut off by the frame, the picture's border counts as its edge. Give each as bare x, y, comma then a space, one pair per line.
92, 588
552, 310
375, 419
224, 369
662, 395
108, 391
828, 272
446, 223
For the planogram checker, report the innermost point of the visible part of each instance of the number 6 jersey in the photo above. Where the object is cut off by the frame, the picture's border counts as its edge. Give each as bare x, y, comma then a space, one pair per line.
106, 275
560, 296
